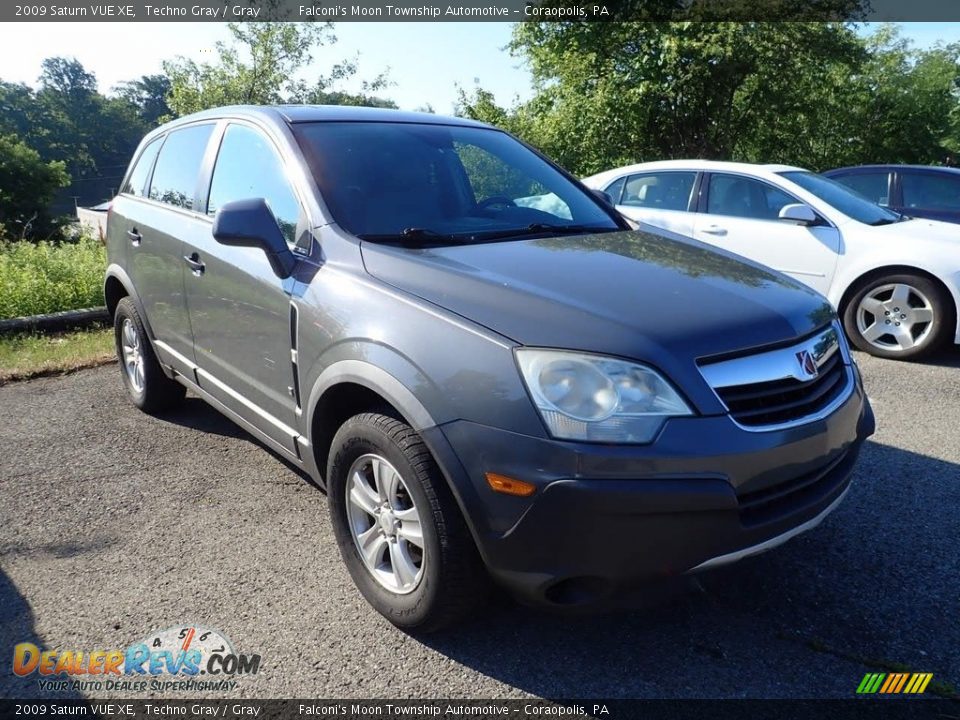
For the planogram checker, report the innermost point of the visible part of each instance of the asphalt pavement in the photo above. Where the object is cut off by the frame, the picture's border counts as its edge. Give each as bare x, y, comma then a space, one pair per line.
114, 524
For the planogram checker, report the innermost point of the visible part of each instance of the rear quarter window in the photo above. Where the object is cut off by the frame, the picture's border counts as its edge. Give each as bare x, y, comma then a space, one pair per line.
136, 183
178, 166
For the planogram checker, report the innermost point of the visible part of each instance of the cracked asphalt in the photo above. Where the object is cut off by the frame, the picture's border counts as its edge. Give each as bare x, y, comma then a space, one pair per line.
114, 524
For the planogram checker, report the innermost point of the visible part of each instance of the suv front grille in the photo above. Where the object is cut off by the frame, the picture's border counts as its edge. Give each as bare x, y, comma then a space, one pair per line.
780, 401
783, 386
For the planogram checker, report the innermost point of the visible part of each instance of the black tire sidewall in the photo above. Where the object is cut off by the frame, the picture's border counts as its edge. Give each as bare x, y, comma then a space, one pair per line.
357, 438
940, 325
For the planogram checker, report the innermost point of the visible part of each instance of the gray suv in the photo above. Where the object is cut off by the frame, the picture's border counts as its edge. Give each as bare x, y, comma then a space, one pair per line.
491, 376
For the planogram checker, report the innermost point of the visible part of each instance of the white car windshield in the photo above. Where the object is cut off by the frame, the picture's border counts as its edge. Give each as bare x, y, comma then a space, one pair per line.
842, 198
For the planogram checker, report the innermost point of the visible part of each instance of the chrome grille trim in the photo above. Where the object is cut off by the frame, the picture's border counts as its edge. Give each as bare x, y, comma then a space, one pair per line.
778, 372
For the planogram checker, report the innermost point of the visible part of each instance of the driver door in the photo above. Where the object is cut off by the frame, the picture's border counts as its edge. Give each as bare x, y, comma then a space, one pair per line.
741, 215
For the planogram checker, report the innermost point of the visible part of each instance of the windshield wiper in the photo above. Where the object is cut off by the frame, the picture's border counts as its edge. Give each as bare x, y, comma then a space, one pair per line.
413, 235
541, 228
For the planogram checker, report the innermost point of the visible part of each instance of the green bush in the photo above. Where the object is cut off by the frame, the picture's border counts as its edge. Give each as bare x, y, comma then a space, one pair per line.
48, 277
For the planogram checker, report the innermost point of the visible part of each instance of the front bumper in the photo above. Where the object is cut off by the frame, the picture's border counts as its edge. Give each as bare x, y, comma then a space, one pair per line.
606, 517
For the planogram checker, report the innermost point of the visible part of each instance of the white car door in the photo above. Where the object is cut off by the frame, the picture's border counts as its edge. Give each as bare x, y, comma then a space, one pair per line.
660, 198
741, 215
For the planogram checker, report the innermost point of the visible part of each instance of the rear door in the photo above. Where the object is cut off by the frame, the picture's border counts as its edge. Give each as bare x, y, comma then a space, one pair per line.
661, 198
240, 310
934, 195
740, 214
155, 228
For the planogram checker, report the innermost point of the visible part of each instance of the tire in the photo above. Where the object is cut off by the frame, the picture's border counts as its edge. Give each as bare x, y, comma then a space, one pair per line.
374, 458
147, 385
904, 316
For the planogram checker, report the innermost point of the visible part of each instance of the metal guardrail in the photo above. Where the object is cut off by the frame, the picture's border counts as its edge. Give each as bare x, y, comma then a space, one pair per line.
55, 322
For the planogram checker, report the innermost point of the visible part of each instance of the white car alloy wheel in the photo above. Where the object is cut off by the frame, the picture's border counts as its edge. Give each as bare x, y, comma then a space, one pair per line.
895, 317
385, 524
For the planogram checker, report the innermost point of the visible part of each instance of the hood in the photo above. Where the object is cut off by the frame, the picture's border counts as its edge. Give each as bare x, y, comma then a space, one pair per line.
920, 229
637, 295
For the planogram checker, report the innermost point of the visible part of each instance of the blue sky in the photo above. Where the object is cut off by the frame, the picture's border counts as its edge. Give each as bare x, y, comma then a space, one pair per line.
426, 61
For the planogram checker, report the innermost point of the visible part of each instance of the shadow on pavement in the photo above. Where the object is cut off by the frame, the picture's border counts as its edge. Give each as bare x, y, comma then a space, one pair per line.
17, 626
196, 414
875, 584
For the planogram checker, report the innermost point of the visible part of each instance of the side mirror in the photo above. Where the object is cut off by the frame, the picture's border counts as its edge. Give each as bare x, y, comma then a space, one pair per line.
605, 196
798, 213
251, 223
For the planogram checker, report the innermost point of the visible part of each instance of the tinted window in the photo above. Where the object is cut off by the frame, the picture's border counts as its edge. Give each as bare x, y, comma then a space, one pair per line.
743, 197
934, 192
137, 182
873, 186
841, 197
452, 183
615, 189
659, 191
175, 176
248, 167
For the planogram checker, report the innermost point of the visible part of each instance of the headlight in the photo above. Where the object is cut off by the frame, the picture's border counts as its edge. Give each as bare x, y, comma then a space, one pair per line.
597, 398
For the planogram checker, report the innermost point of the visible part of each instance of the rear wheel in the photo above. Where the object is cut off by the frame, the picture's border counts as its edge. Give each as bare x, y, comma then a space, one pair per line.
148, 387
399, 529
899, 316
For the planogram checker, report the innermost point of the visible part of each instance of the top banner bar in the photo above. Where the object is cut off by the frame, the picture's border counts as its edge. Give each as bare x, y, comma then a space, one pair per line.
479, 11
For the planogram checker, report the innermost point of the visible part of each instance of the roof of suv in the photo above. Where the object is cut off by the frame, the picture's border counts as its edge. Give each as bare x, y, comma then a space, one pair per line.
894, 166
326, 113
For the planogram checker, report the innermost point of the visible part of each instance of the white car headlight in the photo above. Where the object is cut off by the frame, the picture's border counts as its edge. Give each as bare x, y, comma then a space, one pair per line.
597, 398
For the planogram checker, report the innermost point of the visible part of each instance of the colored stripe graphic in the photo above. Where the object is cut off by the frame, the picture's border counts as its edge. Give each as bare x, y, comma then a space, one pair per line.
894, 683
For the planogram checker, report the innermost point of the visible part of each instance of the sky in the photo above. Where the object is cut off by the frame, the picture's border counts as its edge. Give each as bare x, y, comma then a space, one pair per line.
425, 61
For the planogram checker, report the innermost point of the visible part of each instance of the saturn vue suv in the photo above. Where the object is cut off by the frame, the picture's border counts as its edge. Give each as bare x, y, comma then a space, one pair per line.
491, 376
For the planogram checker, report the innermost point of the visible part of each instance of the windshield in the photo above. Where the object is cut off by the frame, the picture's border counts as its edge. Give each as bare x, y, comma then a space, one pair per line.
416, 183
839, 196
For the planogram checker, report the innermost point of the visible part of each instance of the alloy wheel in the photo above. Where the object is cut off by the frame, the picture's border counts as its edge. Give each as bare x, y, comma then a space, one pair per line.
132, 355
895, 317
385, 524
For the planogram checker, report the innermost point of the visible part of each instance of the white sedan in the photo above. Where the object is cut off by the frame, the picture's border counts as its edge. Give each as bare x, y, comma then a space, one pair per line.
894, 280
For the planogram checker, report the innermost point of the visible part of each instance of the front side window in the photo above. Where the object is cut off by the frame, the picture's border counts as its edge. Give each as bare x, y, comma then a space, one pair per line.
738, 196
874, 185
249, 167
931, 191
842, 198
659, 191
452, 184
178, 166
137, 181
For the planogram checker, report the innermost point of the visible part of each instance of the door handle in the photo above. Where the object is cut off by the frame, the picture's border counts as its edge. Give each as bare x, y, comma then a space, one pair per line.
135, 237
715, 230
196, 267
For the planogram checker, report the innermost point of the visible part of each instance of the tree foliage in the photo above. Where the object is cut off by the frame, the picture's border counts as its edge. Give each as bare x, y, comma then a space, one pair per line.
27, 185
811, 94
260, 66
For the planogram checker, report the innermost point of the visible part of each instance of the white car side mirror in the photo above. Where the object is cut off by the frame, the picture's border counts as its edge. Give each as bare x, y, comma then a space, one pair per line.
798, 213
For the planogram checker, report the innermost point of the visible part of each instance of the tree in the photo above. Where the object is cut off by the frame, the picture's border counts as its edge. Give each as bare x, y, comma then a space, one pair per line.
259, 66
27, 186
613, 93
149, 96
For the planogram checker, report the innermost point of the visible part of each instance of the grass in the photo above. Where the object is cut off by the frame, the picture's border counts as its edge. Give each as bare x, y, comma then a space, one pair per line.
48, 277
27, 356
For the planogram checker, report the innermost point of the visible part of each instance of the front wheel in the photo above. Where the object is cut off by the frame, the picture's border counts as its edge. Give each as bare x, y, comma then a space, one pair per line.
904, 317
399, 529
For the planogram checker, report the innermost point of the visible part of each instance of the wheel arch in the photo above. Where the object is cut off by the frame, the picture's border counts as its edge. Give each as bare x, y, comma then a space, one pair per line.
118, 285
